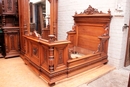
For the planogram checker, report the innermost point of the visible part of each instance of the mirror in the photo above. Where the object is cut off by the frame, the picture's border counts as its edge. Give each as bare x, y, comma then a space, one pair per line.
39, 15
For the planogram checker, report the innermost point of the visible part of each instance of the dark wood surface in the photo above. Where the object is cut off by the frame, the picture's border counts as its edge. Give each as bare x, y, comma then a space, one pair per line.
9, 23
2, 45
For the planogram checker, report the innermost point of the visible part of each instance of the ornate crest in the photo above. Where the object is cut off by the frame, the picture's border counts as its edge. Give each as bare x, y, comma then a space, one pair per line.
90, 10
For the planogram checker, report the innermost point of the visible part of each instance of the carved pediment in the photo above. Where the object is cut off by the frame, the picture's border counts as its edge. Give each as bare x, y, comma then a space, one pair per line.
90, 10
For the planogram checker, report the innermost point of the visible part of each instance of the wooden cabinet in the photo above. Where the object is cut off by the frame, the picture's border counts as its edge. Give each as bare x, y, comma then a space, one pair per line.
9, 6
11, 37
9, 20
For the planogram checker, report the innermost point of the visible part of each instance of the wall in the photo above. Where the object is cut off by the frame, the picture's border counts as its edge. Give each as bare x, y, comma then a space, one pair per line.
117, 41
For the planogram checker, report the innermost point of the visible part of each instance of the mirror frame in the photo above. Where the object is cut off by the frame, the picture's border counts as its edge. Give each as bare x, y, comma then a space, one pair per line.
52, 25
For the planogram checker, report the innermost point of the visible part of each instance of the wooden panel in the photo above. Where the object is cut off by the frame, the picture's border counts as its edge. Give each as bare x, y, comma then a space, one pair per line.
44, 57
91, 30
34, 49
10, 6
88, 42
11, 42
60, 52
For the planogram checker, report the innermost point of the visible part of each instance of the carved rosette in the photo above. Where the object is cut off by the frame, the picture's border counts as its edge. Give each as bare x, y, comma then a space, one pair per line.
60, 56
3, 9
9, 5
35, 51
51, 59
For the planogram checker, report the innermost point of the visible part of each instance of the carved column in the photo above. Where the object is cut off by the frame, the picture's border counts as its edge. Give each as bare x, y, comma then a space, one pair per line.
51, 59
53, 16
51, 53
24, 24
3, 20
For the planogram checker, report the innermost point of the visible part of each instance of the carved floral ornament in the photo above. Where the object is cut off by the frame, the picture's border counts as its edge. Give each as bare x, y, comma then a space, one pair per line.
90, 10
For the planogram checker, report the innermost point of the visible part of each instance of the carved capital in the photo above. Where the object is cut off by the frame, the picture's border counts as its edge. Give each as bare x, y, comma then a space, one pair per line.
51, 38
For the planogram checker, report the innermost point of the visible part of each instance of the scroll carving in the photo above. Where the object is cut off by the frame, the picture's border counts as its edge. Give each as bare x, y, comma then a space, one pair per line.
9, 5
90, 10
3, 9
60, 56
35, 51
103, 40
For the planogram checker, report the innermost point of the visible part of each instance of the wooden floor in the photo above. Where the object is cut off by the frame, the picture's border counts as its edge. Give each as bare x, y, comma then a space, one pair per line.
14, 73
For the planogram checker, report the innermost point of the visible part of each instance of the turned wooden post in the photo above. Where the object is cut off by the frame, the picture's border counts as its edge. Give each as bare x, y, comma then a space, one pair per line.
51, 53
51, 59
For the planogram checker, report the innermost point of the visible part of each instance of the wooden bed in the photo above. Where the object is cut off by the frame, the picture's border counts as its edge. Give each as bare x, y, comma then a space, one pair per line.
85, 47
89, 40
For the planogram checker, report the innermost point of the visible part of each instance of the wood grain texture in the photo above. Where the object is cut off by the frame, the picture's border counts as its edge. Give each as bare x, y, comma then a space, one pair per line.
52, 58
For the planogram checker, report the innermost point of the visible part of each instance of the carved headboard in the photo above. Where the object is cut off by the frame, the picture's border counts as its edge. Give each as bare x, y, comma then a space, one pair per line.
89, 28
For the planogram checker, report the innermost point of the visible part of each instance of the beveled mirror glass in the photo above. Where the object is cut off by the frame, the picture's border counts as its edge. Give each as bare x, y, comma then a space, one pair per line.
39, 15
